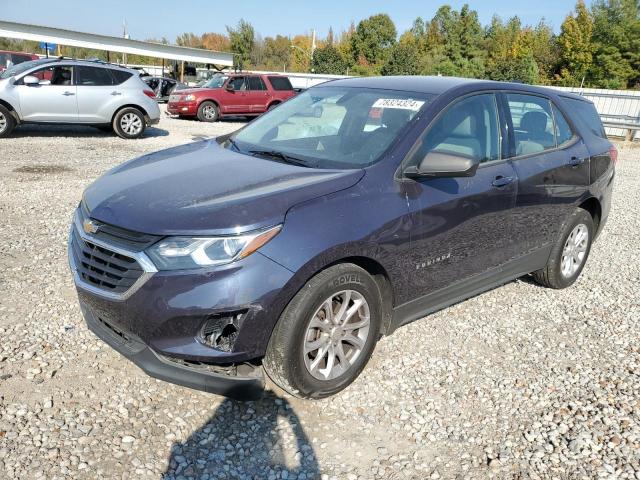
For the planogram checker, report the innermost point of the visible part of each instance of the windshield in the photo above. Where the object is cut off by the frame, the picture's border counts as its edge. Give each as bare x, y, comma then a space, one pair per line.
332, 127
215, 82
19, 68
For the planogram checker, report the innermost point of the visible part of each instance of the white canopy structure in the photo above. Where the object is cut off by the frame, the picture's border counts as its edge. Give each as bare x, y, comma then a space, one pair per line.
59, 36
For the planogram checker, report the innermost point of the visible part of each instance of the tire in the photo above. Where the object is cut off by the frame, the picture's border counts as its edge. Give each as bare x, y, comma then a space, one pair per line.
208, 112
286, 363
129, 123
7, 122
272, 106
557, 274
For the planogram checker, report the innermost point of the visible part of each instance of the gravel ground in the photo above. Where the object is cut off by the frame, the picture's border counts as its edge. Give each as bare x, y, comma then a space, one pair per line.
521, 382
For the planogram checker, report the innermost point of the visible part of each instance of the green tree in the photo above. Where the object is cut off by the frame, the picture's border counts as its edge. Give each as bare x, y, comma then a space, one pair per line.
576, 46
403, 61
616, 38
277, 52
373, 38
241, 39
328, 60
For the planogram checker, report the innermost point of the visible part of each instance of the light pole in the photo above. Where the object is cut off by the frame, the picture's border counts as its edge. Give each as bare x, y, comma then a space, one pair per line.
308, 53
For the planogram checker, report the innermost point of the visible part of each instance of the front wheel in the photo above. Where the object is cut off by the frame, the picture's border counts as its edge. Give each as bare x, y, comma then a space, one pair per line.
7, 122
327, 333
208, 112
570, 253
129, 123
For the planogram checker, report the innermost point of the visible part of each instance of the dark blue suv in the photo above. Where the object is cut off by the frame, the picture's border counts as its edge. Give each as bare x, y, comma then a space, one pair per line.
292, 245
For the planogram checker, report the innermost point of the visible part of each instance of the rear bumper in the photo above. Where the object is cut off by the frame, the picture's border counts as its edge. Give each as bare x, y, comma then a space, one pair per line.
132, 348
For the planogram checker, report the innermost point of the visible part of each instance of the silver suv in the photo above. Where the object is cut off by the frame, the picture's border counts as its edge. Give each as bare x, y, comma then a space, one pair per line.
76, 92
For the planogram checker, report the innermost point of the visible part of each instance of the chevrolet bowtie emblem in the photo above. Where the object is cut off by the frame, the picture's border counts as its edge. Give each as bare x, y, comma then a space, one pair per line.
89, 226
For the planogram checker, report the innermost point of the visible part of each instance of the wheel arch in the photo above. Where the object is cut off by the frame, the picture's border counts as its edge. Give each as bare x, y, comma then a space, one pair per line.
212, 100
274, 103
129, 105
593, 206
11, 109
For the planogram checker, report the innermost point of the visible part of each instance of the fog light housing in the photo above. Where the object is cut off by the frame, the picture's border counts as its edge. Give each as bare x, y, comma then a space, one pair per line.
220, 330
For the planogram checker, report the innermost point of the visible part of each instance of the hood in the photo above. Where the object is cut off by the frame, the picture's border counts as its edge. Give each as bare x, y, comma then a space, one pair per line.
204, 189
194, 90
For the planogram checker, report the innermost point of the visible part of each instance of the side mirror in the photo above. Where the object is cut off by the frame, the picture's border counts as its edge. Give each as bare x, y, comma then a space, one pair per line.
441, 164
31, 80
229, 87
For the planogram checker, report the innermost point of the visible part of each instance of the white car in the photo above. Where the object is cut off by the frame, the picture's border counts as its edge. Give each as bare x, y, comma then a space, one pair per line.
71, 91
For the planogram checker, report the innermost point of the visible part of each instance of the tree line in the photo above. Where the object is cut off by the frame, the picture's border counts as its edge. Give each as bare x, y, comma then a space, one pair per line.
597, 46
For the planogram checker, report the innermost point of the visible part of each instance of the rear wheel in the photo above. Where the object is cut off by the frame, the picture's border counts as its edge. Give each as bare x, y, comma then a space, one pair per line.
129, 123
208, 112
327, 333
7, 122
272, 106
570, 252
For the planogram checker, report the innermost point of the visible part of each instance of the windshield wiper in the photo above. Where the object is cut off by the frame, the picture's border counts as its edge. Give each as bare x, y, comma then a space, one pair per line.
233, 143
281, 156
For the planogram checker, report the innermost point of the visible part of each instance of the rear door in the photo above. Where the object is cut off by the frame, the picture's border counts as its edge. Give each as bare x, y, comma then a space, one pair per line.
53, 100
258, 94
462, 226
552, 166
96, 93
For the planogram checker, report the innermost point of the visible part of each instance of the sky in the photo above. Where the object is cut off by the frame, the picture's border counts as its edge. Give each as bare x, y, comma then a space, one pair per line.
169, 18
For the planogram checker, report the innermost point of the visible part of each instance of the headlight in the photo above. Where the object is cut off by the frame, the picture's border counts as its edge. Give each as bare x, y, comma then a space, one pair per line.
189, 98
179, 253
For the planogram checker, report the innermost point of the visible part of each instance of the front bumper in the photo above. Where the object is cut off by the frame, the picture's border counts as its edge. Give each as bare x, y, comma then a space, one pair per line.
182, 108
132, 348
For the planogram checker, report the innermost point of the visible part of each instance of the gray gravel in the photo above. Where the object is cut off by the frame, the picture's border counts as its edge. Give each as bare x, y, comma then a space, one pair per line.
521, 382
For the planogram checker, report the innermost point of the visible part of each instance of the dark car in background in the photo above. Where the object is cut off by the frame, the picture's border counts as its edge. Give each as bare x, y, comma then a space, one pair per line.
243, 94
163, 86
360, 205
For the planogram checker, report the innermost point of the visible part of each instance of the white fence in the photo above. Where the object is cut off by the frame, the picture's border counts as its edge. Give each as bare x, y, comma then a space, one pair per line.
614, 107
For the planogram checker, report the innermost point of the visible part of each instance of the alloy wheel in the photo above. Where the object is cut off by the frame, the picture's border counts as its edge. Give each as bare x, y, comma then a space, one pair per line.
209, 112
336, 335
3, 122
575, 250
131, 124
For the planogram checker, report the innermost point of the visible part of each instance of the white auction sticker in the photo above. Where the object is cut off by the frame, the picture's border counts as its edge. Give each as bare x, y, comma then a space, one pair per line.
398, 103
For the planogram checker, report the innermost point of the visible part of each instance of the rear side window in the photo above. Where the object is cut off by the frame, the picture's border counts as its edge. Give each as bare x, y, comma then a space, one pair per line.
587, 113
468, 128
120, 76
280, 83
563, 131
256, 83
93, 77
532, 123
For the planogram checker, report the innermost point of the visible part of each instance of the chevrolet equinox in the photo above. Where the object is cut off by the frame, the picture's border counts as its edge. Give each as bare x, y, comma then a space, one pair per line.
292, 245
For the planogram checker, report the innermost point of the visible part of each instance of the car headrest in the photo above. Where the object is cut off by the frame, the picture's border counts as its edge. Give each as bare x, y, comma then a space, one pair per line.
534, 122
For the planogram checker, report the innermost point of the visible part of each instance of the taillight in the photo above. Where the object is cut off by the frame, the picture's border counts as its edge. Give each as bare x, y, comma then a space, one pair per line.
149, 93
613, 153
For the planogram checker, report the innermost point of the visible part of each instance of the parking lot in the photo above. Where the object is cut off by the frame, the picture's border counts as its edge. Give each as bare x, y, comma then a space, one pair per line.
520, 382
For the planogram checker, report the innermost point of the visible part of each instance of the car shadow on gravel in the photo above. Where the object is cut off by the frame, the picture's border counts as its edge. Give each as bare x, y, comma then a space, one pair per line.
250, 440
76, 131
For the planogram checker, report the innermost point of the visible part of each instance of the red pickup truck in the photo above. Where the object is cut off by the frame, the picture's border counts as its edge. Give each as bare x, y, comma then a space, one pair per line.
230, 95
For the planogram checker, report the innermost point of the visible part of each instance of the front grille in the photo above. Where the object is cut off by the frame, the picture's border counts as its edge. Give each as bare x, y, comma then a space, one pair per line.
120, 237
102, 267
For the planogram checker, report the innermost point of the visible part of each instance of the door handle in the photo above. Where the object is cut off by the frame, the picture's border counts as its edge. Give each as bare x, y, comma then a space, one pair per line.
68, 94
115, 93
576, 161
501, 181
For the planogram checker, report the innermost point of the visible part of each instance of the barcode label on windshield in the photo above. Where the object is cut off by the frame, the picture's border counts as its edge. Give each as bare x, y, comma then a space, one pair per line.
414, 105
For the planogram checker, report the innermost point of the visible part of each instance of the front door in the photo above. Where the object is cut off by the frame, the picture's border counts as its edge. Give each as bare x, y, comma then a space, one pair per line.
53, 100
462, 226
552, 165
235, 101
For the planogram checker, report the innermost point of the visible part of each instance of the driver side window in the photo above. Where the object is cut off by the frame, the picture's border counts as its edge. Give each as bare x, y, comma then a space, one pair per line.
57, 74
468, 128
238, 83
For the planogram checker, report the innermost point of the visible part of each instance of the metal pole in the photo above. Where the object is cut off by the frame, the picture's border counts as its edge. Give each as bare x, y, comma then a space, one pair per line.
46, 48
